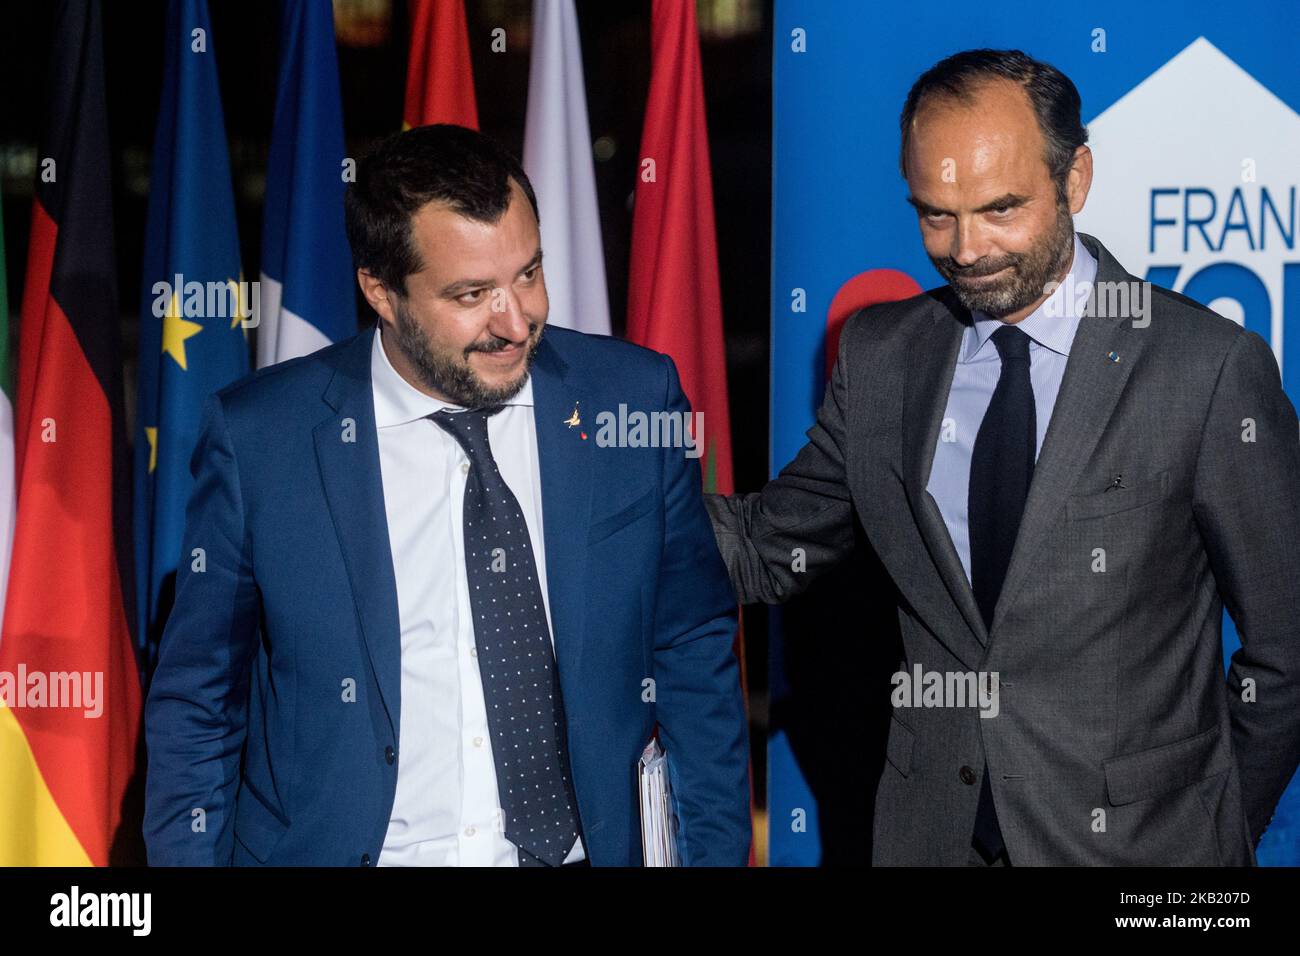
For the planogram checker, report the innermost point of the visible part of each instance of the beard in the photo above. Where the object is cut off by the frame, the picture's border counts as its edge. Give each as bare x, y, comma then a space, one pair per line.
449, 373
1027, 278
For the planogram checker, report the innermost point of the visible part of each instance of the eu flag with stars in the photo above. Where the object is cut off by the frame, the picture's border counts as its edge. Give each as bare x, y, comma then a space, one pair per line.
192, 335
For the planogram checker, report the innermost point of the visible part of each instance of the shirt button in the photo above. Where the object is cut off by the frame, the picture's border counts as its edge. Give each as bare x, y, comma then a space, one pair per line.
478, 741
470, 831
473, 652
464, 468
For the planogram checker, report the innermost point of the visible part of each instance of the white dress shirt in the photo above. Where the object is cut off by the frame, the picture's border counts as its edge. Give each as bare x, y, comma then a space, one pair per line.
446, 811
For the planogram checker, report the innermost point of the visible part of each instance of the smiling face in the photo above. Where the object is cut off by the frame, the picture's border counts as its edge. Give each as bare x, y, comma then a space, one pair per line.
467, 329
993, 221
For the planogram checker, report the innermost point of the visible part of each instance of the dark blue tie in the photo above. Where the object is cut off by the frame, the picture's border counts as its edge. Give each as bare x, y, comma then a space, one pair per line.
521, 686
1002, 466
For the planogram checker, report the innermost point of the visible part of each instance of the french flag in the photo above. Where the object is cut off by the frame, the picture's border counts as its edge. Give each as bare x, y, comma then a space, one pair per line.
307, 298
557, 159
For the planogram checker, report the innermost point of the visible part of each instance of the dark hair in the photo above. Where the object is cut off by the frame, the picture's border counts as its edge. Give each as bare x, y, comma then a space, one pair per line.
1051, 94
468, 171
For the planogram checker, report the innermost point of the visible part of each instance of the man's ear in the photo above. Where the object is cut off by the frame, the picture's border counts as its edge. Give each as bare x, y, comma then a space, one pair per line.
377, 294
1079, 179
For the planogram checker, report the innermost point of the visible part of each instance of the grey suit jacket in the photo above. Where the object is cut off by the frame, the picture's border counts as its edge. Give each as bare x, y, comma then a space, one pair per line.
1117, 739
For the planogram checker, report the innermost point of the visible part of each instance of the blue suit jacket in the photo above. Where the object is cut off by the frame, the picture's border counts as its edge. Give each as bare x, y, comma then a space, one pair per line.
286, 592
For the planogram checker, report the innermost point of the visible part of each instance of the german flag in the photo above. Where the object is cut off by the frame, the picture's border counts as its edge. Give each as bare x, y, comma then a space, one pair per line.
69, 681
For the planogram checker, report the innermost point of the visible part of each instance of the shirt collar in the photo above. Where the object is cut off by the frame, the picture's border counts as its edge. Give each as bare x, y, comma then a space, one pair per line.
397, 401
1053, 324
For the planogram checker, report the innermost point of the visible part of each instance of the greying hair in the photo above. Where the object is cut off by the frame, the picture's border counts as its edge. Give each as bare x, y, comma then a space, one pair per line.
1054, 99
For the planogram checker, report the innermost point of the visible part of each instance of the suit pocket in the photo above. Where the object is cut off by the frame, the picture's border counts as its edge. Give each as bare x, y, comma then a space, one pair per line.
898, 750
1152, 773
257, 827
606, 526
1118, 500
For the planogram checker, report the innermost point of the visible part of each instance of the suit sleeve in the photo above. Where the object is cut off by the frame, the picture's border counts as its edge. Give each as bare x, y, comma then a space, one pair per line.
195, 717
698, 700
777, 541
1246, 498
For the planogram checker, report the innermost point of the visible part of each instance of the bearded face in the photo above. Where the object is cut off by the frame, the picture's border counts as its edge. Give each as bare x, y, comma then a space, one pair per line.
447, 370
996, 219
1003, 284
466, 327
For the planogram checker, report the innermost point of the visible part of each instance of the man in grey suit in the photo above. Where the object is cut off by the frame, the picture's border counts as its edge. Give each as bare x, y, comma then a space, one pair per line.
1066, 474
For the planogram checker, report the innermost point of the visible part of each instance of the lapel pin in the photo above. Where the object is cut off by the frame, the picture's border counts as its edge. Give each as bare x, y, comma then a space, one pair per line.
573, 419
1113, 356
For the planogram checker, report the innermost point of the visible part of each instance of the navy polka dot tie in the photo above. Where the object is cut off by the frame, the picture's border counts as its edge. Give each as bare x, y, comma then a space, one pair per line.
521, 687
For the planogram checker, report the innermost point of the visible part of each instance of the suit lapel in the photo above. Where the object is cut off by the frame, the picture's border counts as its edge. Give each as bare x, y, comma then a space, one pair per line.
928, 382
1089, 392
565, 460
353, 485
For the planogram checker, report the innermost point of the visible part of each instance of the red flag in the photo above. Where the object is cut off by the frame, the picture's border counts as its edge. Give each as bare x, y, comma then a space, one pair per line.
68, 673
439, 74
674, 303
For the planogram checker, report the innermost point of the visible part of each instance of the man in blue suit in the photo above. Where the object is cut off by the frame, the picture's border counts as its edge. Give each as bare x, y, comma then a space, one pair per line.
426, 615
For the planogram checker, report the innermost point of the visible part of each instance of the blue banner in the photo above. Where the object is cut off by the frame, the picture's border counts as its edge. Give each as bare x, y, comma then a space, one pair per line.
1192, 112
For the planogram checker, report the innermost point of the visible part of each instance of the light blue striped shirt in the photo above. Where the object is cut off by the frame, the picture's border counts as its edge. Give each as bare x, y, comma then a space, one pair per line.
1051, 329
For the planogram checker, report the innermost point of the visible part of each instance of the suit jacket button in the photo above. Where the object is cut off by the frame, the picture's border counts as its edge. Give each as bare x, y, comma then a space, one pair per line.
967, 775
365, 859
389, 754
